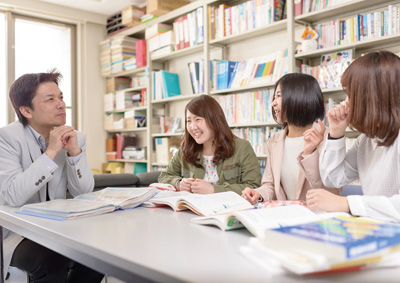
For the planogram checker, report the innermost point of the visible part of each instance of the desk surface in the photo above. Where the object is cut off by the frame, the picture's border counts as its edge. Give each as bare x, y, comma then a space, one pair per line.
159, 245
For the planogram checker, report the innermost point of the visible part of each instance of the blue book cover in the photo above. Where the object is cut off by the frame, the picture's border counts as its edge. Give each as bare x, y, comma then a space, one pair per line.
233, 74
341, 238
170, 84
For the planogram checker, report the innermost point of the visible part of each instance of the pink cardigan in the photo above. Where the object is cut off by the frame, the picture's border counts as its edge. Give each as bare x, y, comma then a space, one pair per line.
309, 178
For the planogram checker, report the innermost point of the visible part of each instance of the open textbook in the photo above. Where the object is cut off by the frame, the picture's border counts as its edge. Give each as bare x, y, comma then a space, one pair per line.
258, 220
106, 200
206, 205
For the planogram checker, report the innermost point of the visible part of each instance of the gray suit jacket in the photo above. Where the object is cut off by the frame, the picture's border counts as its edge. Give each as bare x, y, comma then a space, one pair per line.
23, 175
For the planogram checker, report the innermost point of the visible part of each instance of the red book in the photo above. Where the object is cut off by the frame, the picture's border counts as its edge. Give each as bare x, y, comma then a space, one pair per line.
141, 53
298, 7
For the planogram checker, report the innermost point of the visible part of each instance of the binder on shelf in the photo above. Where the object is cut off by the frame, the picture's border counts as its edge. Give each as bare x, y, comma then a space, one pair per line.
170, 82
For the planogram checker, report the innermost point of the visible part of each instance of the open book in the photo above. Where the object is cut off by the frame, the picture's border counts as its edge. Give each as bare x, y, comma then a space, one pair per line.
106, 200
258, 220
206, 205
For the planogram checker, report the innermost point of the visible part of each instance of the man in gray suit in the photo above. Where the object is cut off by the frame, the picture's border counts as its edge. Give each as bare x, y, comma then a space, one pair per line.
41, 159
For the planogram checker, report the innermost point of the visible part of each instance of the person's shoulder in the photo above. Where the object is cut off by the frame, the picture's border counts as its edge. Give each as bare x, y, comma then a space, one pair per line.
12, 129
278, 136
241, 142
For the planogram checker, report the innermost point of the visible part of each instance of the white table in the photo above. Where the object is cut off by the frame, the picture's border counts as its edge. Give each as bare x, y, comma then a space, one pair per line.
158, 245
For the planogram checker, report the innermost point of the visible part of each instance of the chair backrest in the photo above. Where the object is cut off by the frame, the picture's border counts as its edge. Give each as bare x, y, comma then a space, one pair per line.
351, 190
145, 179
102, 181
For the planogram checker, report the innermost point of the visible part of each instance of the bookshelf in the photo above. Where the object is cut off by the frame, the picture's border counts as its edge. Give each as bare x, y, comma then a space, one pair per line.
245, 45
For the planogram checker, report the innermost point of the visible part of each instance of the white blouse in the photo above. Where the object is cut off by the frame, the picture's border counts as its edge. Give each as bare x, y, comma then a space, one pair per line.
377, 167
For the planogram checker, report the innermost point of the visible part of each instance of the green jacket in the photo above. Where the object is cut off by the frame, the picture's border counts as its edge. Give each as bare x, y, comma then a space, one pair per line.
239, 171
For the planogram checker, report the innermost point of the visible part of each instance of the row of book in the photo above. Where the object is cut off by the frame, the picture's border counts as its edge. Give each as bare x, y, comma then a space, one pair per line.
165, 85
307, 6
331, 68
248, 107
125, 99
120, 83
186, 31
383, 22
257, 136
225, 20
249, 72
130, 119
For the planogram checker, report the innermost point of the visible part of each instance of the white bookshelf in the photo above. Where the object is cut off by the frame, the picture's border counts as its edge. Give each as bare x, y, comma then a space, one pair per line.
260, 41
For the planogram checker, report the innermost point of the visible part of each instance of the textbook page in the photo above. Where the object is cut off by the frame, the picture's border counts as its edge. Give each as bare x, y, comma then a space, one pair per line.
258, 220
120, 197
207, 205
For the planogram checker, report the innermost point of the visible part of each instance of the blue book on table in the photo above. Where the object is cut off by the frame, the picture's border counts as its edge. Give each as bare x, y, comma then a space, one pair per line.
170, 84
339, 239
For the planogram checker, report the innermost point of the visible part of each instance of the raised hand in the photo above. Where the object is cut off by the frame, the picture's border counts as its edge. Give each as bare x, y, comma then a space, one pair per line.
58, 138
338, 120
312, 138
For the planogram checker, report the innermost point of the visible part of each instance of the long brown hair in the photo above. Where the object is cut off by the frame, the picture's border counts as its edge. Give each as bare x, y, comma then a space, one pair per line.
372, 83
208, 108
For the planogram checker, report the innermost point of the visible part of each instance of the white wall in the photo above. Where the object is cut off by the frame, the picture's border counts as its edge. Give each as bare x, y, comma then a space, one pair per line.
91, 86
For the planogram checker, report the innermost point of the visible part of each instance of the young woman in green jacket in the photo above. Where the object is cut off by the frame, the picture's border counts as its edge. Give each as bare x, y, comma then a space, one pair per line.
211, 159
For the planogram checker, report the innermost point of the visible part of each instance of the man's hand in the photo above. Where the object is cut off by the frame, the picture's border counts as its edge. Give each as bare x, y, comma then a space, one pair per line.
63, 137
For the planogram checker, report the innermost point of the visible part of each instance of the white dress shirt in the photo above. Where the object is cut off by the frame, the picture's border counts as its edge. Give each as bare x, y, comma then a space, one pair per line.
377, 167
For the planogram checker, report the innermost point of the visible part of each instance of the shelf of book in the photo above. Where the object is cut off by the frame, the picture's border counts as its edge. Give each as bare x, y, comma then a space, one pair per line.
242, 89
126, 130
128, 160
162, 135
128, 72
360, 46
177, 53
340, 9
126, 109
229, 51
131, 89
271, 28
177, 98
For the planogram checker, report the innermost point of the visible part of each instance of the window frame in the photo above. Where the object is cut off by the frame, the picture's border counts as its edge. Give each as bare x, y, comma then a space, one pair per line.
10, 68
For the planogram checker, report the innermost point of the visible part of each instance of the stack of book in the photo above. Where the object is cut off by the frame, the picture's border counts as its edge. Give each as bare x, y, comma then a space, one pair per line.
118, 83
341, 243
105, 57
122, 48
160, 39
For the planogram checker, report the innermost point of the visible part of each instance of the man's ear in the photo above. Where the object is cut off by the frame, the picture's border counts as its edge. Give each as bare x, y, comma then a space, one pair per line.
26, 111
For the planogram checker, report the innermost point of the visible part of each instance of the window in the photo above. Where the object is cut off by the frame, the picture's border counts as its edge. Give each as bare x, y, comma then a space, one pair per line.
40, 46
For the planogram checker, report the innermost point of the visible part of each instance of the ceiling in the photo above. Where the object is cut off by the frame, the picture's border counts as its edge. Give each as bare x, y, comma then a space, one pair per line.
104, 7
